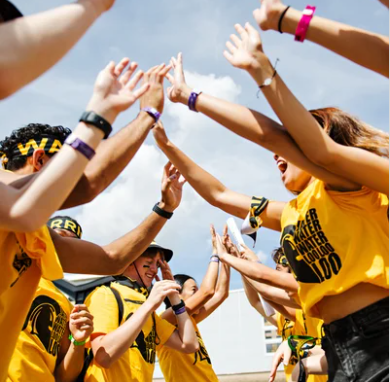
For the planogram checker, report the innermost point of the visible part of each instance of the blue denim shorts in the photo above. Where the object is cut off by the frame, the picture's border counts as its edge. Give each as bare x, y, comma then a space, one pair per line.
357, 346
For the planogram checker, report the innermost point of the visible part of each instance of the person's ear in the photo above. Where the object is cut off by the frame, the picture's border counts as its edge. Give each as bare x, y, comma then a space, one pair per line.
38, 159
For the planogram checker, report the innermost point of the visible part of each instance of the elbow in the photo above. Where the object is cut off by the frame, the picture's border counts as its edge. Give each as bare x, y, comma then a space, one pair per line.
116, 263
191, 348
103, 359
322, 158
26, 222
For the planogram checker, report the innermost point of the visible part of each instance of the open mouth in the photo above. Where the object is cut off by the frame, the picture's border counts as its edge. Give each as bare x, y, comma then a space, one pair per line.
282, 166
150, 276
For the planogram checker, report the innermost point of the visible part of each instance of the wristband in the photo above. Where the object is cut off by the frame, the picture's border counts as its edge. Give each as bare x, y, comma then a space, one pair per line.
192, 100
96, 120
180, 311
155, 114
214, 259
281, 19
159, 211
80, 146
303, 25
179, 306
76, 343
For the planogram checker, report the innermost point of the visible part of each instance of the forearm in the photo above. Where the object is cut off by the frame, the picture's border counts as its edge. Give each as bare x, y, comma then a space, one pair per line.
206, 185
261, 273
48, 34
253, 296
112, 156
186, 333
274, 294
222, 290
109, 348
131, 246
43, 196
209, 282
370, 50
72, 364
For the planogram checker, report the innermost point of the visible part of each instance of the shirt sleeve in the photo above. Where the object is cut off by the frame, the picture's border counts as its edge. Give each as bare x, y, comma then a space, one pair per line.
103, 306
164, 330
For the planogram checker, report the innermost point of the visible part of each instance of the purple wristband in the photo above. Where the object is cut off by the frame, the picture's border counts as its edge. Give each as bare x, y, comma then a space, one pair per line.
180, 311
192, 100
80, 146
152, 112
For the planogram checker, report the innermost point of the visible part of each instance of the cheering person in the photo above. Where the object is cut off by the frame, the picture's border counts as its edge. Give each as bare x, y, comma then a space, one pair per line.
200, 302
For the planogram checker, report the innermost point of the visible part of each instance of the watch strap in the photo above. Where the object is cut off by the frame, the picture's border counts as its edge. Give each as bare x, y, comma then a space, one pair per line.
159, 211
96, 120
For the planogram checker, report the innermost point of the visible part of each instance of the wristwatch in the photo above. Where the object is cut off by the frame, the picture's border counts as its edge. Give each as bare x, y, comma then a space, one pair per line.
96, 120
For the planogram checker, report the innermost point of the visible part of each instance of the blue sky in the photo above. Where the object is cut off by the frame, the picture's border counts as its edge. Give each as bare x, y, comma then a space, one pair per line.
150, 32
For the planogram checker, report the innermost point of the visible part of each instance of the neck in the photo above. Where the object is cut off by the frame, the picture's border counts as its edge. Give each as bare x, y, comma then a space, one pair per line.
26, 170
131, 273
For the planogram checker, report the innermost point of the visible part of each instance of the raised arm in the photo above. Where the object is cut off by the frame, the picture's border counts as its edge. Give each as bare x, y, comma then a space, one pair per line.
24, 41
115, 153
211, 189
81, 327
250, 124
370, 50
28, 208
355, 164
79, 256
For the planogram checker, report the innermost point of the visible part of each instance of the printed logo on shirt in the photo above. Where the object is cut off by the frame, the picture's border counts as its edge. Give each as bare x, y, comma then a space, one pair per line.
21, 263
202, 354
311, 256
47, 321
146, 345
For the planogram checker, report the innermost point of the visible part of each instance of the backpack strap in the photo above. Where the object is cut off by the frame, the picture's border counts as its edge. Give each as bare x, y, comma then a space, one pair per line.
120, 304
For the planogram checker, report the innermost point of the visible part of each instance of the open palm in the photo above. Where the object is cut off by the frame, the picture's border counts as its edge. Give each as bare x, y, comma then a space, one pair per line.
172, 186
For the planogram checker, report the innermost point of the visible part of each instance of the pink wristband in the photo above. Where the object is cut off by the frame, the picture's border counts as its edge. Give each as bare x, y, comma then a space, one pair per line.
303, 25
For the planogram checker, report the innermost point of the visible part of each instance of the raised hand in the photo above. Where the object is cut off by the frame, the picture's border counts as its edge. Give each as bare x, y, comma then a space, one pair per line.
213, 239
166, 271
160, 291
172, 188
154, 97
222, 251
81, 323
246, 51
282, 354
114, 90
267, 16
178, 81
248, 254
160, 134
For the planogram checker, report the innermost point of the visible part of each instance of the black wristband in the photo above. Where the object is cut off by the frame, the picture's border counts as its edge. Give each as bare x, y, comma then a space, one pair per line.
281, 19
159, 211
96, 120
177, 307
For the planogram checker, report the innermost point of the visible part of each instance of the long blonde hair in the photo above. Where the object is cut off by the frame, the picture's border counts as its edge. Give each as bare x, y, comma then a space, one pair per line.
348, 130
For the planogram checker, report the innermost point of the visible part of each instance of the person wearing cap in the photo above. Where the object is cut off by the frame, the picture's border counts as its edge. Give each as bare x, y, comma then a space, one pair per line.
201, 303
52, 341
51, 34
126, 328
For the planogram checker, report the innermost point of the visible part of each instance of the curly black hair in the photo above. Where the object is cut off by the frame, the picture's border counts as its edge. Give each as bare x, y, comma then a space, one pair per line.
23, 135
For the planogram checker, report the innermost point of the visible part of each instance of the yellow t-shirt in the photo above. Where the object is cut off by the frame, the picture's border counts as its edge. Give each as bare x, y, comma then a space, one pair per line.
335, 241
25, 257
137, 364
195, 367
39, 342
303, 326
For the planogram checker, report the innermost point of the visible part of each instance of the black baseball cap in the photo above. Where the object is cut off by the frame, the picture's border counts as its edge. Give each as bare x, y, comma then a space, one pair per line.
168, 254
8, 11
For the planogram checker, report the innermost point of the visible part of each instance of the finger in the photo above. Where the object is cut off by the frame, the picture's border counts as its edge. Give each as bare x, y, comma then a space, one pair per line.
251, 29
141, 91
81, 321
81, 307
134, 81
225, 231
158, 69
212, 230
170, 78
241, 31
287, 356
152, 69
121, 66
180, 59
110, 67
182, 180
167, 167
165, 71
129, 72
174, 61
228, 56
231, 47
84, 313
236, 40
157, 278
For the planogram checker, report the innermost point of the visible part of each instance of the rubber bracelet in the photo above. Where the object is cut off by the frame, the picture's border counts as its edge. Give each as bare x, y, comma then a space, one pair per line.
281, 19
80, 146
303, 25
76, 343
179, 306
159, 211
155, 114
214, 259
192, 100
180, 311
96, 120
